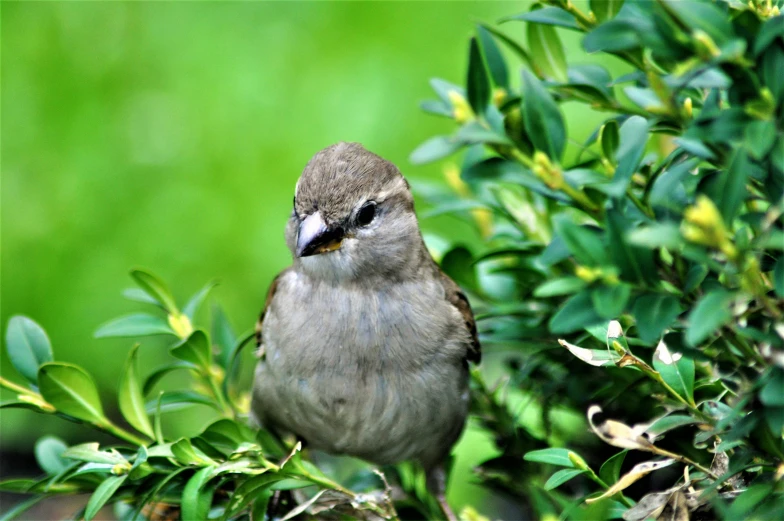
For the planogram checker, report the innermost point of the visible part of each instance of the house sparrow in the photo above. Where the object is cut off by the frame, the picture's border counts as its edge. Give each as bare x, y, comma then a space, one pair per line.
364, 342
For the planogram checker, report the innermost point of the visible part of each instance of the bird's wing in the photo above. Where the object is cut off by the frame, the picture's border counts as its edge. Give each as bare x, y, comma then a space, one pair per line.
457, 298
270, 294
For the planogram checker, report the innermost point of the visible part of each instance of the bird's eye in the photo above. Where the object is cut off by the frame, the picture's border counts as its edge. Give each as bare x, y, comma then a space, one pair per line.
366, 213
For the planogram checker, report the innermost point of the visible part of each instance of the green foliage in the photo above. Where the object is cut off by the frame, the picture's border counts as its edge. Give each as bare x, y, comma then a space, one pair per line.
654, 249
638, 276
222, 472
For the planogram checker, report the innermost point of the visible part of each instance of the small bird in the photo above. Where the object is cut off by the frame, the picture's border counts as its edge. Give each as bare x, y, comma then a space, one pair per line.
364, 343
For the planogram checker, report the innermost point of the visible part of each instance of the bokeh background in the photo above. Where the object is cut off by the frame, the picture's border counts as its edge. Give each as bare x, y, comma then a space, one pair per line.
170, 136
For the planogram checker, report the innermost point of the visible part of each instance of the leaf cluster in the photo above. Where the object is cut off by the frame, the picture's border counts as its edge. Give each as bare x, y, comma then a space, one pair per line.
227, 471
640, 270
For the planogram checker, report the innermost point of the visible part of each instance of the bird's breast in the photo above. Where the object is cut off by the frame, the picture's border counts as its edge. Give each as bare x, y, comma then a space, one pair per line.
364, 372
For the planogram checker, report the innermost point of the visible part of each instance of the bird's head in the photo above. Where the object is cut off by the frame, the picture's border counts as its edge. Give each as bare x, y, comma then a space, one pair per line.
353, 217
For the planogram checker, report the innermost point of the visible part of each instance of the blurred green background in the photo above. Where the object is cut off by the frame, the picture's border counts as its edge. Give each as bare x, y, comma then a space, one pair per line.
170, 136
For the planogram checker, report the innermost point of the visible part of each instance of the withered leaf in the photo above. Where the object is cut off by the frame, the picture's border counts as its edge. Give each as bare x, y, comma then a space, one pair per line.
619, 434
594, 357
638, 472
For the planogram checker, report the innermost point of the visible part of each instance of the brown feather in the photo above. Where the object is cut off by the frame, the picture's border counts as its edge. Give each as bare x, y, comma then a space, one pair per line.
270, 294
457, 298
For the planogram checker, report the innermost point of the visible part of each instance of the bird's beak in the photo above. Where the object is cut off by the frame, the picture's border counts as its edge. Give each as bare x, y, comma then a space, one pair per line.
315, 237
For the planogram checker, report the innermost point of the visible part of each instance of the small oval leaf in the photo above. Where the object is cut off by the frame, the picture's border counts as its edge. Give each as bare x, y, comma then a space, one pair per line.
28, 346
130, 398
71, 391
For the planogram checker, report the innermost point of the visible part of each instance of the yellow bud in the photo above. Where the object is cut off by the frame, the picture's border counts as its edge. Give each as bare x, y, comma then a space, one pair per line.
705, 46
704, 214
181, 325
577, 461
687, 108
499, 95
452, 176
545, 170
121, 468
618, 347
462, 110
242, 403
587, 274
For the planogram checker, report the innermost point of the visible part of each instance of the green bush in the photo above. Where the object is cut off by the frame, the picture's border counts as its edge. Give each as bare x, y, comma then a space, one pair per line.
630, 286
652, 253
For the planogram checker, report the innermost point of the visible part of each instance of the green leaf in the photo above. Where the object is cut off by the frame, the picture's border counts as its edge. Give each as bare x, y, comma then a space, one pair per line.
576, 314
250, 489
768, 33
759, 137
613, 36
561, 477
668, 190
546, 16
584, 243
223, 335
511, 43
139, 295
477, 83
458, 264
18, 486
155, 288
196, 300
91, 453
694, 277
676, 370
553, 456
560, 286
653, 314
131, 399
473, 132
611, 469
542, 118
610, 301
495, 60
668, 423
778, 277
605, 9
433, 149
187, 454
136, 324
194, 349
609, 139
710, 313
636, 262
729, 189
71, 391
28, 346
155, 377
176, 400
102, 494
196, 498
704, 16
656, 235
633, 136
772, 394
49, 454
547, 51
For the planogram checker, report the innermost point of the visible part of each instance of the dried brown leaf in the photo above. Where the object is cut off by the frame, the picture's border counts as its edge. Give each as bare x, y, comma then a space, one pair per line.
619, 434
638, 472
594, 357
